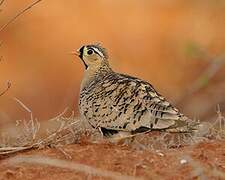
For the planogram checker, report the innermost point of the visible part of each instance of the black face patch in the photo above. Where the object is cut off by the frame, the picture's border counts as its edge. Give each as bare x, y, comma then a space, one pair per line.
81, 50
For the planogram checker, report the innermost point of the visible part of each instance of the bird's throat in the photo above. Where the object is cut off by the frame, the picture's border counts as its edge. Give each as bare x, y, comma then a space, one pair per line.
94, 72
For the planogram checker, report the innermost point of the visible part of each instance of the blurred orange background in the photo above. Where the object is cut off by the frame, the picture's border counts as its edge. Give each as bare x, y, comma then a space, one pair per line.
153, 40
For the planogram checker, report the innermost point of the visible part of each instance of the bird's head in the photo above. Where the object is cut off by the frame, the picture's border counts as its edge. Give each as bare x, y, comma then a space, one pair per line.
93, 55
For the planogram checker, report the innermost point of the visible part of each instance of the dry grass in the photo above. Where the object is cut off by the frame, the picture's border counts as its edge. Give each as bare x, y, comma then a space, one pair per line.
26, 133
71, 130
217, 128
162, 140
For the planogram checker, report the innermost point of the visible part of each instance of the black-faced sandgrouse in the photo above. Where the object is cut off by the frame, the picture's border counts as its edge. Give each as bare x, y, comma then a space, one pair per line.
120, 104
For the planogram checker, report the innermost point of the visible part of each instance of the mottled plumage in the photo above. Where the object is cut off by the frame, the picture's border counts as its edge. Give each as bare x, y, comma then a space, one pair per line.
116, 102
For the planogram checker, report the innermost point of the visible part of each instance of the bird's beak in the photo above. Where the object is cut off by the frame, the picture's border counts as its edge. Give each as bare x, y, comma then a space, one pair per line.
76, 53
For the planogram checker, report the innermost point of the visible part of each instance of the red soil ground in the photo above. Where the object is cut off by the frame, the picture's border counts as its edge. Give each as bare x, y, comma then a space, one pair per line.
203, 161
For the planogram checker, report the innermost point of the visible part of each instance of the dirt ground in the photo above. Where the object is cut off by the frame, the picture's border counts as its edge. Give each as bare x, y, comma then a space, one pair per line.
200, 161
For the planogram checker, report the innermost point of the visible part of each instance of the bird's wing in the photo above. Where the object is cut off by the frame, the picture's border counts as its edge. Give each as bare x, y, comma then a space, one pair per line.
163, 114
130, 104
150, 109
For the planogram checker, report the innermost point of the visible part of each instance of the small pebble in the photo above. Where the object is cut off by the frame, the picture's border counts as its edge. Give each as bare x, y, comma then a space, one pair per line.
159, 153
183, 161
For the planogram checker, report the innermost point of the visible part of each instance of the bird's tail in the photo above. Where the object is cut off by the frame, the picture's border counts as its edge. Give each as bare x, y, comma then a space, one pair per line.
184, 125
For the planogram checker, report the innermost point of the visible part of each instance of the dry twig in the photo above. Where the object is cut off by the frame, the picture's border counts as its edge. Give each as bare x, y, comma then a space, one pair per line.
19, 14
70, 165
32, 126
11, 150
7, 88
1, 2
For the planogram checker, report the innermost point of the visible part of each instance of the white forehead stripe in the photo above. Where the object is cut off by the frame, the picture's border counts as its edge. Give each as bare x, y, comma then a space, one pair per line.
99, 52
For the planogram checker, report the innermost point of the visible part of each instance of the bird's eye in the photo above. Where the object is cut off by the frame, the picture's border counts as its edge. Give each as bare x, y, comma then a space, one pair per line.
90, 52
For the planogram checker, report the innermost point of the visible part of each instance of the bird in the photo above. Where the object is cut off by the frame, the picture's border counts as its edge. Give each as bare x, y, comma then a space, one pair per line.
120, 105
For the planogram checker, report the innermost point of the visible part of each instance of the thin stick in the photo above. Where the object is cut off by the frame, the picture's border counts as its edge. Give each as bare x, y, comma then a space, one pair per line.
12, 150
60, 115
7, 88
18, 15
41, 160
1, 2
23, 105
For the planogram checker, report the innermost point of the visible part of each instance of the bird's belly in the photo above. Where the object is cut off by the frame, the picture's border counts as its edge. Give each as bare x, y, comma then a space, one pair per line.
104, 113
